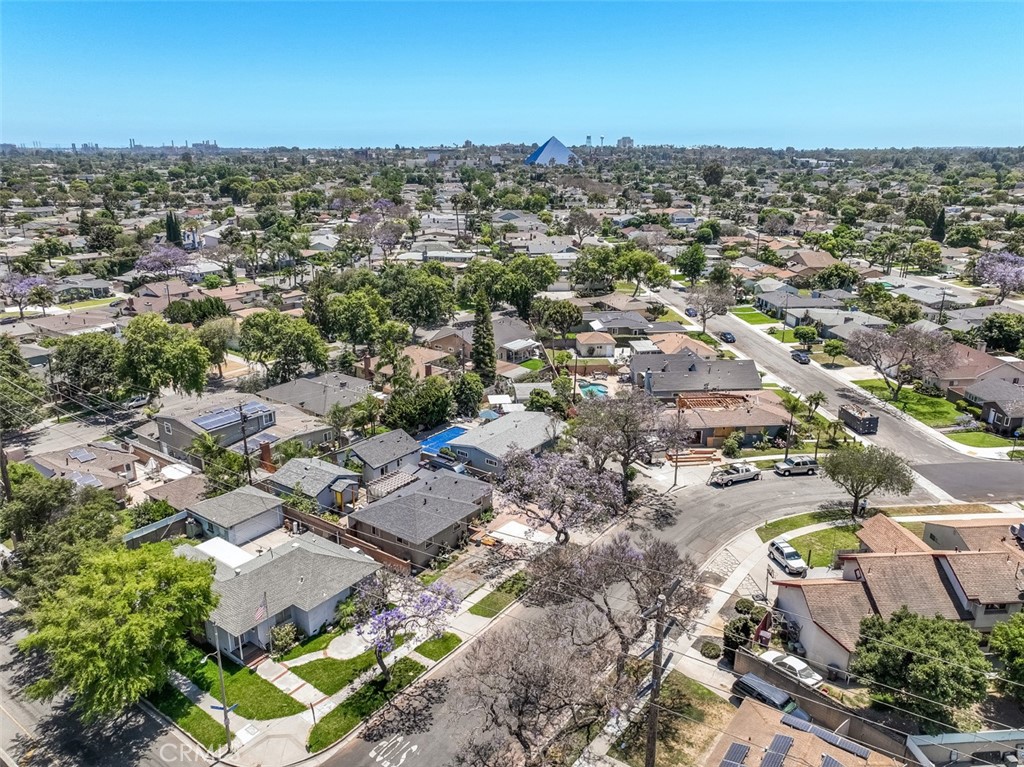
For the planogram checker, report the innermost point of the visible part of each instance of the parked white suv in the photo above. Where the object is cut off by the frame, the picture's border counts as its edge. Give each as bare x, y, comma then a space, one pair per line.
794, 667
787, 557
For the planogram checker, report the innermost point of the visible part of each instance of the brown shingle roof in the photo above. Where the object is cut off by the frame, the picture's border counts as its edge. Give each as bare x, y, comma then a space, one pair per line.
836, 606
987, 577
884, 536
595, 338
916, 581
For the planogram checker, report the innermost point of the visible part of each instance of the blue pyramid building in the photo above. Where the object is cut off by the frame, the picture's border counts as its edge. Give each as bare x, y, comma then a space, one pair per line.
551, 152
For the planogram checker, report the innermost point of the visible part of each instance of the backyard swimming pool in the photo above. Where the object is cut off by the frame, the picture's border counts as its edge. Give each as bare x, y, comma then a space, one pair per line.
591, 389
435, 442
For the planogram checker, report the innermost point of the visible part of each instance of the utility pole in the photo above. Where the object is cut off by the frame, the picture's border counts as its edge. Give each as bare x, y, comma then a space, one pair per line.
4, 477
660, 633
245, 442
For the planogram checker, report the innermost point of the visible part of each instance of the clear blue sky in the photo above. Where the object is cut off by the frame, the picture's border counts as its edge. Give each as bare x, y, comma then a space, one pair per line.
810, 74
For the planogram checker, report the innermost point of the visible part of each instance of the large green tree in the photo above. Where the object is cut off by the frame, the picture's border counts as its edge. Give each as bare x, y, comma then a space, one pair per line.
691, 262
864, 469
89, 362
21, 393
468, 391
1003, 330
931, 667
216, 337
1007, 642
157, 354
281, 344
112, 631
484, 353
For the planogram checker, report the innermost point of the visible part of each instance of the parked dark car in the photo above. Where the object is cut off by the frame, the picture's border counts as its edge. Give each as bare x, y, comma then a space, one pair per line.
728, 337
691, 312
753, 686
802, 357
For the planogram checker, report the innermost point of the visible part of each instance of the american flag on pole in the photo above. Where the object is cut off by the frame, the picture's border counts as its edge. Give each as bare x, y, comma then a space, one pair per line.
261, 611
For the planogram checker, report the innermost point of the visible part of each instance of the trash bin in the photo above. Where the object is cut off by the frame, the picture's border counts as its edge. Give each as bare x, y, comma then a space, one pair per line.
832, 672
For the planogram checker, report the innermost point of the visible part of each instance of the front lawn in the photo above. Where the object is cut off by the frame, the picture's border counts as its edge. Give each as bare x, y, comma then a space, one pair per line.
361, 704
329, 675
779, 526
931, 411
706, 338
438, 647
822, 545
311, 644
533, 364
691, 720
786, 336
752, 316
841, 360
930, 509
671, 315
508, 591
189, 717
798, 448
256, 697
979, 439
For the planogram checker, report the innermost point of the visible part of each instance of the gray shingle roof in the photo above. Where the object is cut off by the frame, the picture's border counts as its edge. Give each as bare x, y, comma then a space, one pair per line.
415, 517
1009, 397
304, 573
526, 430
313, 474
448, 485
235, 507
318, 394
384, 448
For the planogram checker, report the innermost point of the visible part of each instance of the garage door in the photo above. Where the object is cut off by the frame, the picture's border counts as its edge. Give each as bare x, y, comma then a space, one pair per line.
255, 527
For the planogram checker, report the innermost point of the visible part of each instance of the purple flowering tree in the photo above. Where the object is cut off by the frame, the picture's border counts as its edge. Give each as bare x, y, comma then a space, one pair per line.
387, 235
20, 290
163, 259
1004, 270
394, 606
559, 490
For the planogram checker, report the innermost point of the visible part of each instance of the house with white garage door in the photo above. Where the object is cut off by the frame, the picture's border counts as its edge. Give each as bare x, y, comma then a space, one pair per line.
239, 515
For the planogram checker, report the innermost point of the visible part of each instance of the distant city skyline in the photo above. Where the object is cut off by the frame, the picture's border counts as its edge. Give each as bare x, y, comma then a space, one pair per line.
807, 75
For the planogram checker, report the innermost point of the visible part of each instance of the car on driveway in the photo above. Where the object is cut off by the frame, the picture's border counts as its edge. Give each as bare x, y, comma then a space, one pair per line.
787, 557
728, 337
797, 464
801, 357
735, 472
794, 667
691, 312
136, 402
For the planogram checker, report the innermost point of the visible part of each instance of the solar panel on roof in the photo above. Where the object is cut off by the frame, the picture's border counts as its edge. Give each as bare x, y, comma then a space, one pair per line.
840, 742
797, 724
777, 751
735, 755
253, 408
828, 761
216, 419
81, 454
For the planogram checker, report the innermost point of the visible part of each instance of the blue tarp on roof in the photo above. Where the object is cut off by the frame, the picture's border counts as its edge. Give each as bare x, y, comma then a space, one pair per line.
550, 152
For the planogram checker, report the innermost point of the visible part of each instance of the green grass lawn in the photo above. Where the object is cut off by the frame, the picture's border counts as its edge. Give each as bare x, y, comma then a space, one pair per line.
786, 336
329, 675
979, 439
693, 719
1016, 455
823, 544
507, 592
935, 509
88, 304
777, 527
189, 717
671, 315
752, 316
533, 364
361, 704
256, 697
705, 337
797, 449
310, 644
931, 411
438, 647
625, 287
841, 361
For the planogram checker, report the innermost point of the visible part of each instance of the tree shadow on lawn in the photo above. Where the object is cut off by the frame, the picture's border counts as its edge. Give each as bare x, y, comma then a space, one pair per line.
410, 713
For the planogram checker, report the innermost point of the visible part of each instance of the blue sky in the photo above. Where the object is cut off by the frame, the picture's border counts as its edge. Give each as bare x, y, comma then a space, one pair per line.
806, 74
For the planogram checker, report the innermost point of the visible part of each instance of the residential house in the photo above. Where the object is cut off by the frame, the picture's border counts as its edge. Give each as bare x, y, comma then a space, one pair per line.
780, 303
1000, 747
240, 296
333, 487
769, 285
667, 375
318, 394
807, 263
37, 357
617, 323
200, 269
72, 324
972, 317
760, 734
240, 515
180, 493
423, 519
156, 296
485, 447
715, 416
384, 454
595, 345
835, 323
521, 392
1001, 403
424, 364
933, 300
972, 365
880, 534
104, 465
674, 343
300, 582
510, 335
80, 287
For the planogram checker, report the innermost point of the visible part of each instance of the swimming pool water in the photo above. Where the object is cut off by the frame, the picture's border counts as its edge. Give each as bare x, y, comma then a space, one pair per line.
435, 442
589, 389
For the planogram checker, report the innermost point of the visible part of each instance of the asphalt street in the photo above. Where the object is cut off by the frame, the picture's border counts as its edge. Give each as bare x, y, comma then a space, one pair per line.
962, 476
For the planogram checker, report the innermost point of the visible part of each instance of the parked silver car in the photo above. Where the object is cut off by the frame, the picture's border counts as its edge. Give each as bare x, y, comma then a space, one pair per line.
797, 464
735, 472
794, 667
787, 557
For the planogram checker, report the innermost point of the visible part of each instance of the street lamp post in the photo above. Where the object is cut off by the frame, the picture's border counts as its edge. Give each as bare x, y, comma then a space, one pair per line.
223, 691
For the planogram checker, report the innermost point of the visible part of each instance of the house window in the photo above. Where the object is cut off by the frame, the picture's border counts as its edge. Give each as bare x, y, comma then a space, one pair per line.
309, 444
490, 462
268, 418
462, 453
327, 436
373, 531
995, 609
931, 537
167, 428
400, 540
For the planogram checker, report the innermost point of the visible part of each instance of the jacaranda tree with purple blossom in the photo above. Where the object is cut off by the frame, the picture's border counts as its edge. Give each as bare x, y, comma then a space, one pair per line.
163, 259
394, 606
19, 290
1004, 270
559, 490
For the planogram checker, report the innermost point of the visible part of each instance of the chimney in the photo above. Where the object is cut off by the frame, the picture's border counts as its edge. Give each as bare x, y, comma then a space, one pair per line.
366, 364
982, 346
428, 370
266, 458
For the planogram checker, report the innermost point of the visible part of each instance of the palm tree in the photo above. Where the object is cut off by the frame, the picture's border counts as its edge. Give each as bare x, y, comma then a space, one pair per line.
206, 447
366, 413
793, 406
814, 401
41, 296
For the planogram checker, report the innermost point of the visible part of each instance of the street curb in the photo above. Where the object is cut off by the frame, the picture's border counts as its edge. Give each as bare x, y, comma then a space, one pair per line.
155, 713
